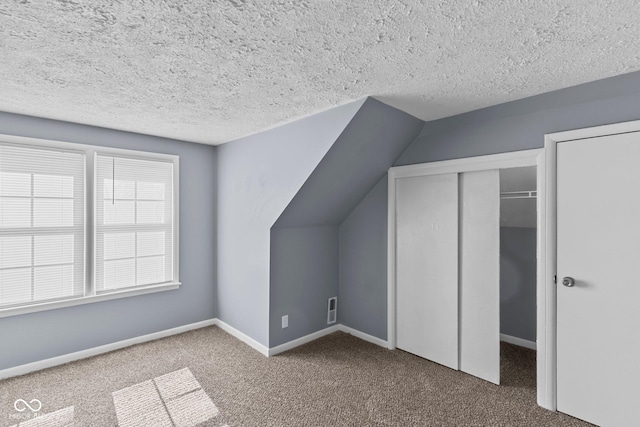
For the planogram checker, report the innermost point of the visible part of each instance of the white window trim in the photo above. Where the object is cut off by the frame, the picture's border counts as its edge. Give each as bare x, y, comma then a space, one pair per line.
90, 156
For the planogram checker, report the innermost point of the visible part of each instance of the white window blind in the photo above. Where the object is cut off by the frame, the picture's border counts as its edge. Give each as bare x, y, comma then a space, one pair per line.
134, 222
42, 210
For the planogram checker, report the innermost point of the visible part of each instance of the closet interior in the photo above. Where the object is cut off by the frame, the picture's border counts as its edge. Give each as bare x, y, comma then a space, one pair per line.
518, 245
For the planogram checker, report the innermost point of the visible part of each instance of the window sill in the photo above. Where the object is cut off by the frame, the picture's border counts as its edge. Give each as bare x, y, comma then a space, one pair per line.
16, 311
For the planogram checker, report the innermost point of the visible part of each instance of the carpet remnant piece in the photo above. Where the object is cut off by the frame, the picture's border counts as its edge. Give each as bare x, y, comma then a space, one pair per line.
178, 392
60, 418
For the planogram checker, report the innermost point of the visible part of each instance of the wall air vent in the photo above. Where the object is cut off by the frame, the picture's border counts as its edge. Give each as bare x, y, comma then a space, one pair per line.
332, 310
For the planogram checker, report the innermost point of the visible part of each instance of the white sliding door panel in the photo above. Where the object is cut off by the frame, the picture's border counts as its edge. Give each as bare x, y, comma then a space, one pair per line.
427, 267
598, 232
480, 274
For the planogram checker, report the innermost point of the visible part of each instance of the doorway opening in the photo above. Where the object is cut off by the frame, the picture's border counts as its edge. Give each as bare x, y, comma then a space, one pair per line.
518, 275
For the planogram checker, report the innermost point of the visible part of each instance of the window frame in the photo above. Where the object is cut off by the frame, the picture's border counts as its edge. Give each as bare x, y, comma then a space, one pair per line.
90, 295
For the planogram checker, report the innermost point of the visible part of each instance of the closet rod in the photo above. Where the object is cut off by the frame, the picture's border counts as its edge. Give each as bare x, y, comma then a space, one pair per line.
519, 195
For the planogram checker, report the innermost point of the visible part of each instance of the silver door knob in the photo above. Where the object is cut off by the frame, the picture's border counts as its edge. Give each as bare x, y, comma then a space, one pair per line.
568, 281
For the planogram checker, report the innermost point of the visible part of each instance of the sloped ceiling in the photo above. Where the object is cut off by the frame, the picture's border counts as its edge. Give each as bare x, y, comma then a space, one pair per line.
365, 150
212, 71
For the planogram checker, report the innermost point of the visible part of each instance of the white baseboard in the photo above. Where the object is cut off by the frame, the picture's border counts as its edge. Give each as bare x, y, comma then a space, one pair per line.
95, 351
90, 352
363, 336
314, 336
518, 341
242, 337
302, 340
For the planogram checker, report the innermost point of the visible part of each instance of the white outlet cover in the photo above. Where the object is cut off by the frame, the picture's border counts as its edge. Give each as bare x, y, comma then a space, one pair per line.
285, 321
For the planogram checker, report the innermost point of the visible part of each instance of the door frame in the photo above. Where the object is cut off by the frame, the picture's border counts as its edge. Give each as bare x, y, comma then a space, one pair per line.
551, 142
545, 288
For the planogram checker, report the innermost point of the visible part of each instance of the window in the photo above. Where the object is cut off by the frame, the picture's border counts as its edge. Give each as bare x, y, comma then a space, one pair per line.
41, 224
82, 224
134, 233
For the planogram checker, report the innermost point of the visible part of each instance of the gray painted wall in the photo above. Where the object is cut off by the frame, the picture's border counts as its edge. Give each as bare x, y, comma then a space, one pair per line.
362, 302
258, 176
369, 145
518, 282
32, 337
513, 126
304, 275
521, 125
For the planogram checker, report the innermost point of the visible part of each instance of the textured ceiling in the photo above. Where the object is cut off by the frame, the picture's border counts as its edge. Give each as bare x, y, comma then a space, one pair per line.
212, 71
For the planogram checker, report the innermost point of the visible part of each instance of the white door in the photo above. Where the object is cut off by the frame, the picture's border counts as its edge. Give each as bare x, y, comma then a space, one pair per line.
427, 267
480, 274
598, 231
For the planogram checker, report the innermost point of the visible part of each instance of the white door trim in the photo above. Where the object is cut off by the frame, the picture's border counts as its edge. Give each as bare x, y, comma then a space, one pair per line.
551, 142
545, 287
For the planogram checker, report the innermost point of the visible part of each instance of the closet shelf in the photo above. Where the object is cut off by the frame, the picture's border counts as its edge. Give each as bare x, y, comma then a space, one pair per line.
519, 195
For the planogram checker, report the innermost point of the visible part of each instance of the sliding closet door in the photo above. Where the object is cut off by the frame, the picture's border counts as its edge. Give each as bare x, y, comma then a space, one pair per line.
427, 267
480, 274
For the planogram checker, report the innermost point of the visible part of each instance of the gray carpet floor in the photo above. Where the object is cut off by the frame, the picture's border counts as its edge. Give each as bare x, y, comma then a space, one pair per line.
337, 380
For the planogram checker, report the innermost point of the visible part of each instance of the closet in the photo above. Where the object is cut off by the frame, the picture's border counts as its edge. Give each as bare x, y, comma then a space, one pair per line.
445, 291
448, 271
